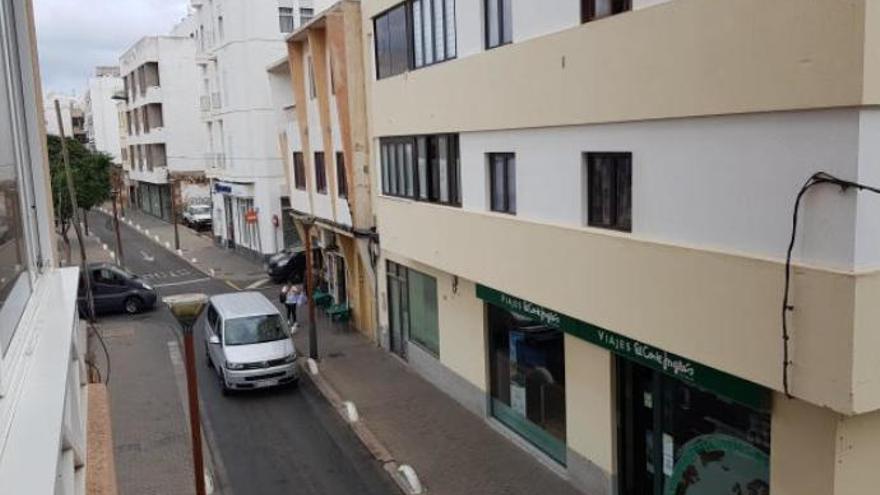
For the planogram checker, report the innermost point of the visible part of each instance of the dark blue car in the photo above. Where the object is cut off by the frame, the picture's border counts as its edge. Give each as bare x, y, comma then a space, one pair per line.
116, 290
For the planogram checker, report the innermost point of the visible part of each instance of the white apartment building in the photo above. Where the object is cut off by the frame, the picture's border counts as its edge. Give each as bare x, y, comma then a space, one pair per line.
164, 132
101, 114
584, 214
236, 40
72, 116
44, 402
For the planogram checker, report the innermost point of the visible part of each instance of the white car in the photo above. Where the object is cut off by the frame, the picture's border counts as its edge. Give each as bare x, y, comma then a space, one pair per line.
197, 216
248, 343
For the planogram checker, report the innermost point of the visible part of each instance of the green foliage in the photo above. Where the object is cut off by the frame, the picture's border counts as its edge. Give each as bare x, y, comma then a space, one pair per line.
91, 177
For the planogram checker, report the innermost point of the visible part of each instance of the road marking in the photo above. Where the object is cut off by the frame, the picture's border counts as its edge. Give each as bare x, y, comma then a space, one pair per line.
232, 285
257, 284
185, 282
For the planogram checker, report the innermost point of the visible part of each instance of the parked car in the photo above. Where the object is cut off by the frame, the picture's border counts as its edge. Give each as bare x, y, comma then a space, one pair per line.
115, 290
248, 343
290, 265
197, 216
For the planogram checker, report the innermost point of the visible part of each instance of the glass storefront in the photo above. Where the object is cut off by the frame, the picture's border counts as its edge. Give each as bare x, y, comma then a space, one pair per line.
527, 361
679, 439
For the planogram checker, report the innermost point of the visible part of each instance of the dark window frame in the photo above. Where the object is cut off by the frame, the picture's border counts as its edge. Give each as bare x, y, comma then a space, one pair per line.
341, 176
299, 170
390, 184
623, 161
509, 182
410, 38
320, 173
588, 9
504, 37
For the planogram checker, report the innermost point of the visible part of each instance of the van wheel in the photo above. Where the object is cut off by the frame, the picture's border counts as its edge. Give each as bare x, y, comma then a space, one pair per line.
224, 389
132, 305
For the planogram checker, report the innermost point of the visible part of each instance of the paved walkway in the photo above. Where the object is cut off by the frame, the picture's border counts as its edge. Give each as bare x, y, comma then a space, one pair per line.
221, 263
453, 451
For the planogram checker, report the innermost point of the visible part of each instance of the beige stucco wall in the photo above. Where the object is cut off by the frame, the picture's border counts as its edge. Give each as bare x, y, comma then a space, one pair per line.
589, 402
722, 310
872, 53
682, 58
462, 339
858, 452
801, 448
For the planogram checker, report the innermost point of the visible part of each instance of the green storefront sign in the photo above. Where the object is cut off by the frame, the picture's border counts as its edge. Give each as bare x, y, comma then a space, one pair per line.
719, 382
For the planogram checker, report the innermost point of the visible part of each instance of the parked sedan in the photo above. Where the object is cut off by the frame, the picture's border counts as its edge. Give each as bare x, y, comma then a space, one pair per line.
115, 290
197, 216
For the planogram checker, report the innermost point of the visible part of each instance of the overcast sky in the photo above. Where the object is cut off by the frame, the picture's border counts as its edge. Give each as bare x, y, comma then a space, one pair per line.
77, 35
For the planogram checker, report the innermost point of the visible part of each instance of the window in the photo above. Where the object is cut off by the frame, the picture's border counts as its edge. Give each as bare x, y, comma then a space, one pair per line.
392, 45
502, 182
341, 176
313, 92
306, 14
499, 22
108, 276
597, 9
320, 173
425, 168
433, 31
413, 308
299, 171
609, 190
212, 317
285, 19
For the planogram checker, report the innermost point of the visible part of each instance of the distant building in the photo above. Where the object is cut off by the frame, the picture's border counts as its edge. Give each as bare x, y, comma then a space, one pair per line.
101, 114
236, 40
72, 116
163, 133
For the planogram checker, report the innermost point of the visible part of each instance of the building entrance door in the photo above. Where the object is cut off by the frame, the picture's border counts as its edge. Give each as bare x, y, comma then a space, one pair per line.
678, 439
230, 221
398, 309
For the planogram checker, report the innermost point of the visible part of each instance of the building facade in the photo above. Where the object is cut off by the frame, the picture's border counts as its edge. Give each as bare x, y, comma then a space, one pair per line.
584, 213
236, 40
44, 401
72, 116
164, 137
325, 146
101, 114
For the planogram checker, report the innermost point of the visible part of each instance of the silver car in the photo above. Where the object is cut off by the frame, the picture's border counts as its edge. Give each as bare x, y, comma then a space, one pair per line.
248, 343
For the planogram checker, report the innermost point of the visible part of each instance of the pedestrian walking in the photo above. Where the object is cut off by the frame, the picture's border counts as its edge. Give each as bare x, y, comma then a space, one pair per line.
292, 299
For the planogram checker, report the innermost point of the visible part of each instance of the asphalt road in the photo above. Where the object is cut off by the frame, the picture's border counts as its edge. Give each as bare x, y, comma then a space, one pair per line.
283, 441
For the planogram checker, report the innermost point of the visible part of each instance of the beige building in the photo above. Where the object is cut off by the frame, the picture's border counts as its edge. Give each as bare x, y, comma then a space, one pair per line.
323, 139
584, 212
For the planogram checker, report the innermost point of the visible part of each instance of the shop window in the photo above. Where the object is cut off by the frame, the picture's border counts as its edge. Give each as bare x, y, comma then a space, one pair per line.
502, 182
597, 9
341, 176
609, 190
527, 361
299, 171
398, 308
423, 321
320, 173
425, 168
499, 22
678, 438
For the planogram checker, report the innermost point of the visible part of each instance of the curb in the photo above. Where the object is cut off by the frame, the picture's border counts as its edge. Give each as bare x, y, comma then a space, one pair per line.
366, 436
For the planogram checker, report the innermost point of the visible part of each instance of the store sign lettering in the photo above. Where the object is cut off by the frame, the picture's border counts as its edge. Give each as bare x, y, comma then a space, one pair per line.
526, 308
672, 365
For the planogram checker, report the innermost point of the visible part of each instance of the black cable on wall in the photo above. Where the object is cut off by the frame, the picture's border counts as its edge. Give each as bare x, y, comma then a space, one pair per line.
816, 179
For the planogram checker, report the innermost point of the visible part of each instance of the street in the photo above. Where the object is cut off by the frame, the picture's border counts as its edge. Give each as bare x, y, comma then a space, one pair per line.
287, 440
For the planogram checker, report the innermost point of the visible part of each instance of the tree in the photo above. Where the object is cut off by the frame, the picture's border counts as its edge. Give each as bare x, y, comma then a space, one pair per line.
91, 180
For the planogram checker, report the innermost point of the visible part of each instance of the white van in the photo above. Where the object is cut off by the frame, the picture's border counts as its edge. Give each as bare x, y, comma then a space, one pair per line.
248, 342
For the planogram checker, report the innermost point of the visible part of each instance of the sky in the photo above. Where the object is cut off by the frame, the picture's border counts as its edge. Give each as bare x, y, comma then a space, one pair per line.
74, 36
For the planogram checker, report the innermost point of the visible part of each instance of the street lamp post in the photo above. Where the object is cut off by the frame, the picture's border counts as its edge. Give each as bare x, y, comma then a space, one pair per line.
187, 308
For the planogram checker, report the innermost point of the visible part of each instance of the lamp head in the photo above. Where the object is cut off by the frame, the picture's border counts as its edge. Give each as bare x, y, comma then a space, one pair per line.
186, 307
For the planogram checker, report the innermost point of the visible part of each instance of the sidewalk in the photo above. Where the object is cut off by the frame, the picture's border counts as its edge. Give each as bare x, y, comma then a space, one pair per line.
452, 450
226, 264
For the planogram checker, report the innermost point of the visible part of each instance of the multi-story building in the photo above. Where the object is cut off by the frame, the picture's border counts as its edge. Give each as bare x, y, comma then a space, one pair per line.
44, 399
101, 114
323, 135
163, 129
236, 40
72, 116
584, 215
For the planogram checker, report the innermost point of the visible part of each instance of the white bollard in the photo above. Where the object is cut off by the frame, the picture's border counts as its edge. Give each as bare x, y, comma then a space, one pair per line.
104, 247
351, 412
167, 245
157, 238
412, 479
112, 255
194, 260
313, 366
180, 253
138, 227
212, 272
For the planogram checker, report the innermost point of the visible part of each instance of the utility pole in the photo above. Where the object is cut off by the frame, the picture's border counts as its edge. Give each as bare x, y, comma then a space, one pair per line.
119, 255
310, 290
174, 191
74, 213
